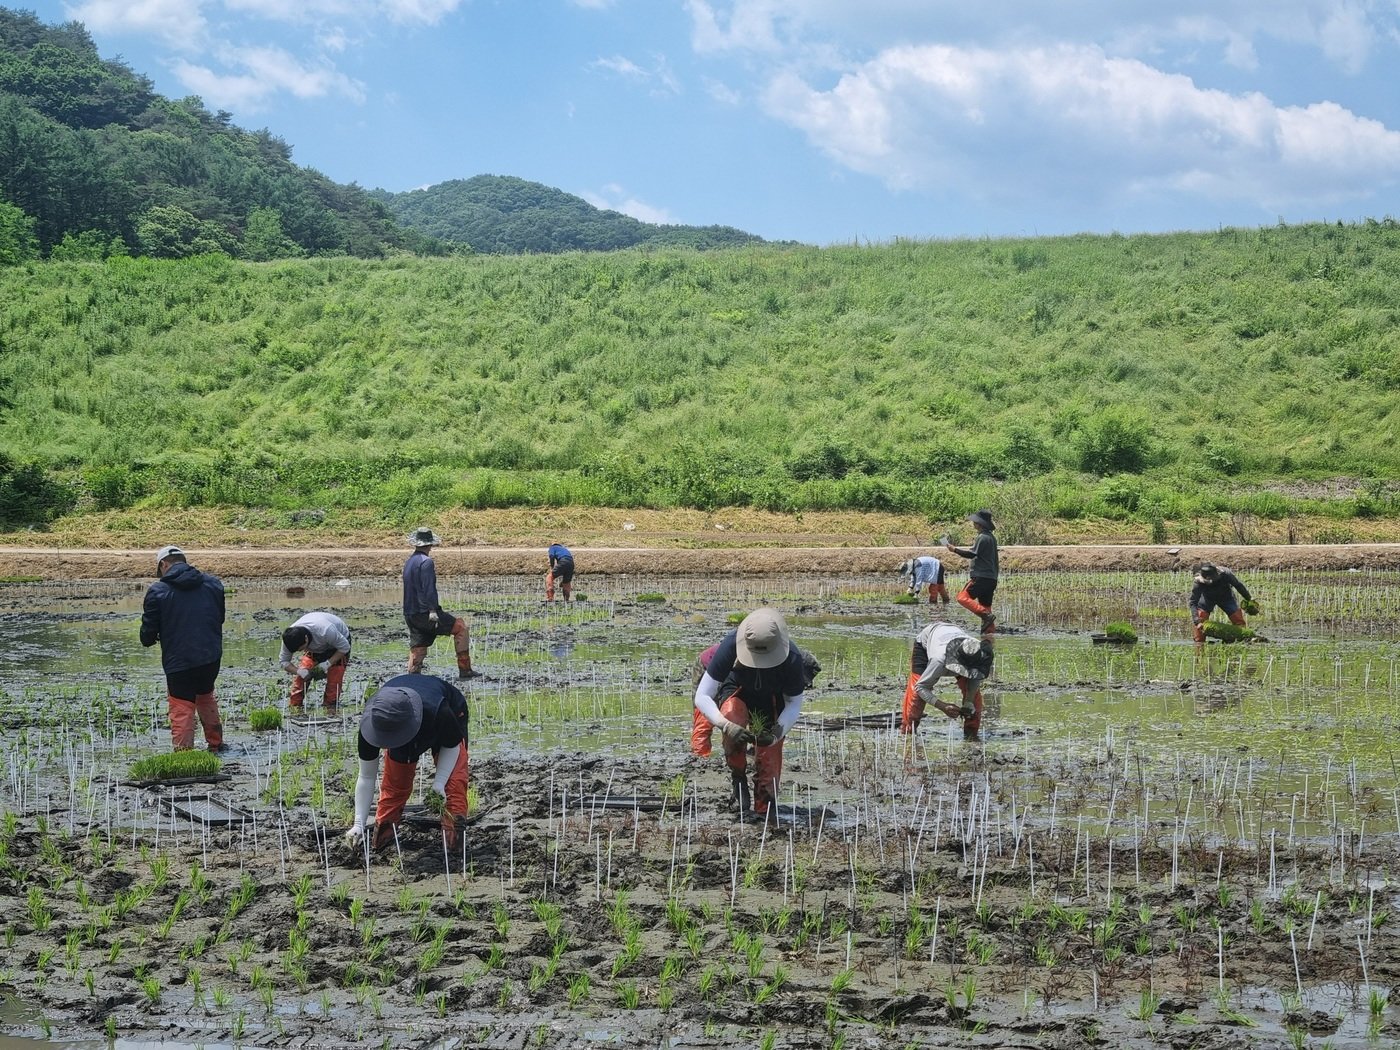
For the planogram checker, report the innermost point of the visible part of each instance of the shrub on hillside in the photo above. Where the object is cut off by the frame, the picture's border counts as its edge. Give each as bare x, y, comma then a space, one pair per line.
29, 496
1113, 441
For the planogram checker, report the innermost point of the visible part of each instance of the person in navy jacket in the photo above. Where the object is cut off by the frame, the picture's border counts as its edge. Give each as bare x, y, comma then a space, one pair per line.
184, 611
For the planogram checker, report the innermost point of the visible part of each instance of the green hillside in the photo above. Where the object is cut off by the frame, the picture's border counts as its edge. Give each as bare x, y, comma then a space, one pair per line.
94, 162
1146, 376
501, 214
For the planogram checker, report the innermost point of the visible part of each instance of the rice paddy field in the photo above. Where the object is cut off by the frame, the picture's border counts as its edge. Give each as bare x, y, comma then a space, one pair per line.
1154, 844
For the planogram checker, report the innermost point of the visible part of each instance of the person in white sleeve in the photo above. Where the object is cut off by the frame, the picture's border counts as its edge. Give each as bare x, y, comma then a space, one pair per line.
323, 641
946, 649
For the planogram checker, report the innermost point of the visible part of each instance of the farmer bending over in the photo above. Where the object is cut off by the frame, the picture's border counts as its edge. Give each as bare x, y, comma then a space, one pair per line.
940, 649
1211, 586
184, 611
561, 568
976, 595
427, 622
409, 715
752, 690
702, 729
925, 570
324, 643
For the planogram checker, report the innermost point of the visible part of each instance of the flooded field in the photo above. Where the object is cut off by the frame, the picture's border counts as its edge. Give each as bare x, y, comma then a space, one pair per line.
1152, 844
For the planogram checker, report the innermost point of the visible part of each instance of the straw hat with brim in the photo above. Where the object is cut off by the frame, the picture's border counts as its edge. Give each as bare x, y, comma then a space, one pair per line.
968, 658
392, 717
762, 639
983, 518
906, 567
423, 537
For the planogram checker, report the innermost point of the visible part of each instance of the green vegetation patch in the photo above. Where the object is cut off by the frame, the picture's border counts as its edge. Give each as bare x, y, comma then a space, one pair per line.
21, 579
1250, 606
651, 596
1121, 632
263, 719
907, 599
1227, 632
174, 766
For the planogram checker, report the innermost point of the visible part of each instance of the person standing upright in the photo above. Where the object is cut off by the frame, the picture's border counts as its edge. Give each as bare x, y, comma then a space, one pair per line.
976, 595
561, 568
426, 619
184, 611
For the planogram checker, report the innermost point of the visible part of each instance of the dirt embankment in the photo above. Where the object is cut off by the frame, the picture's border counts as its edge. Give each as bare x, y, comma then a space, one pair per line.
57, 563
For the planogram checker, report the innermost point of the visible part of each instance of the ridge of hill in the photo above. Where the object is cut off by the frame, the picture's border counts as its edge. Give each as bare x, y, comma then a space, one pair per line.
503, 214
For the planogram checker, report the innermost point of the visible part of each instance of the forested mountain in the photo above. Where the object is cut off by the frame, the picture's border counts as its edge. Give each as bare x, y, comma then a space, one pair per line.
500, 214
94, 162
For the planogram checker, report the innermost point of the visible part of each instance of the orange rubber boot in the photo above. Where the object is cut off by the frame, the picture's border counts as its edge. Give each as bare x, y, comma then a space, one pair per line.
181, 723
701, 735
208, 710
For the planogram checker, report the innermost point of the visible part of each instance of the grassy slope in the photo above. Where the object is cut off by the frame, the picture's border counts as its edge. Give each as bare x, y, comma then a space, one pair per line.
1273, 350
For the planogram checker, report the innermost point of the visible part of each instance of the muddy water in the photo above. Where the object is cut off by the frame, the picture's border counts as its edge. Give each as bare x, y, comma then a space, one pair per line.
1209, 809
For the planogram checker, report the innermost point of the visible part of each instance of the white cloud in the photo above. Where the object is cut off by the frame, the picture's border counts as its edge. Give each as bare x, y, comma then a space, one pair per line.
1346, 32
263, 73
659, 79
592, 5
1072, 123
180, 23
722, 93
613, 197
427, 12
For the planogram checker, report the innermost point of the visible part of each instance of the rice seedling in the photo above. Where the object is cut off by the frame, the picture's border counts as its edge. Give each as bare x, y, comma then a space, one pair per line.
578, 990
264, 719
176, 765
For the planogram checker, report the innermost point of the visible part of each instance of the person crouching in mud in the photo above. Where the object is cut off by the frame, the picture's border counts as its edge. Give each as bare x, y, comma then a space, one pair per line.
752, 690
941, 649
702, 730
1212, 586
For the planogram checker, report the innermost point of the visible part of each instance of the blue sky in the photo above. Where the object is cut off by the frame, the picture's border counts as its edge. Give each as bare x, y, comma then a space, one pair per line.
826, 121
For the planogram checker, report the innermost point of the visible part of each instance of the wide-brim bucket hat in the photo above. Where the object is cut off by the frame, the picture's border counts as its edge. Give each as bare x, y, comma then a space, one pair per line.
392, 717
762, 639
968, 658
983, 518
423, 537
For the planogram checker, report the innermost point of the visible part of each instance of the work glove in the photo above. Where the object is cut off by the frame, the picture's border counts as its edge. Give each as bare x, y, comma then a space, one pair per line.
323, 667
355, 836
737, 733
433, 618
303, 673
913, 591
384, 834
769, 737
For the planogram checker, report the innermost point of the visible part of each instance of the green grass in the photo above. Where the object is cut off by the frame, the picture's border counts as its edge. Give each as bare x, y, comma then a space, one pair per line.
651, 597
1148, 377
1119, 631
263, 719
1227, 632
174, 765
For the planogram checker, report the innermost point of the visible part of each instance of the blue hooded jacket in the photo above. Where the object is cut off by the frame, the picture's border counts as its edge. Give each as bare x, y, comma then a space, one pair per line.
184, 611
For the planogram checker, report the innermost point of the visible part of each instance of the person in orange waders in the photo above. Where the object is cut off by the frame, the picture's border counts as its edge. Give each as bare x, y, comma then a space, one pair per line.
942, 649
424, 614
926, 570
408, 716
976, 595
752, 691
701, 728
184, 611
1213, 585
561, 568
323, 641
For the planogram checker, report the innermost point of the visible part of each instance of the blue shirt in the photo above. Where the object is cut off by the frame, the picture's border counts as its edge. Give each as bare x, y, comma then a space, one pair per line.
419, 585
558, 552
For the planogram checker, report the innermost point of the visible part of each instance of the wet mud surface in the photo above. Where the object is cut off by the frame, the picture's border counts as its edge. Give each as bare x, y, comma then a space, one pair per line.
1011, 892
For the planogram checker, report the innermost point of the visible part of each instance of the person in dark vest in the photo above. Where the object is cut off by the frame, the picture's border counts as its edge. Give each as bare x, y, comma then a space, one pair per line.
752, 691
1213, 586
407, 717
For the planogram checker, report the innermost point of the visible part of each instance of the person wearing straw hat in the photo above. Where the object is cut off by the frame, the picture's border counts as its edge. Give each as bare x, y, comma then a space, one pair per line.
925, 570
184, 611
323, 640
408, 716
427, 622
702, 730
946, 649
752, 691
561, 568
976, 595
1212, 586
